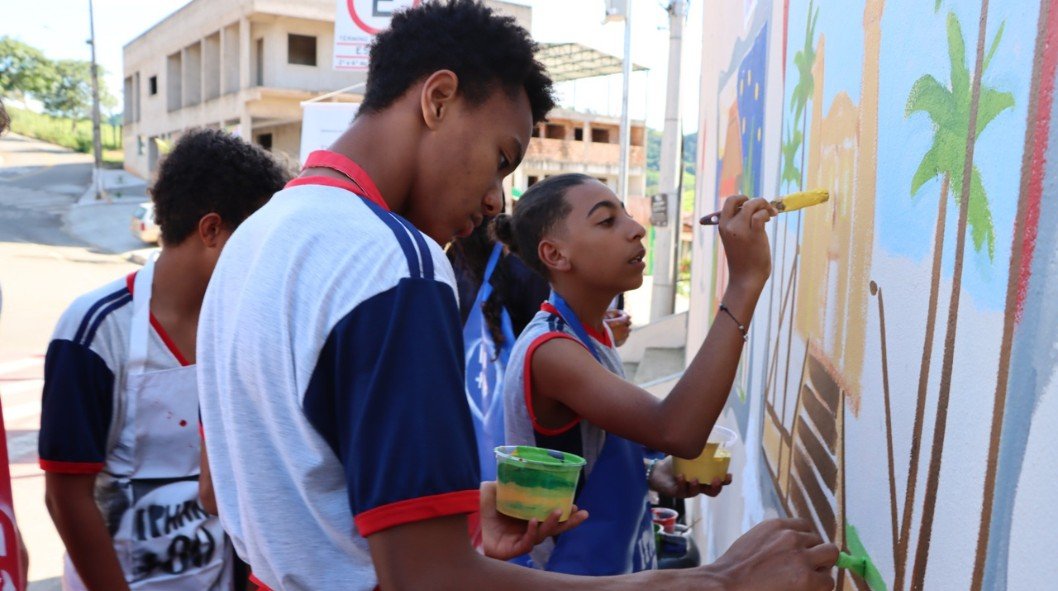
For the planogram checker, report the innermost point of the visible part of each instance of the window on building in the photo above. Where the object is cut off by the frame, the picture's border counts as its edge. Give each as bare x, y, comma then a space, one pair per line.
530, 181
536, 130
578, 134
600, 136
152, 86
301, 50
265, 141
556, 131
260, 62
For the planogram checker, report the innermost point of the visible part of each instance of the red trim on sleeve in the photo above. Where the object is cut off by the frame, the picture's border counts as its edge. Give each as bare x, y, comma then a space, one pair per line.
527, 383
158, 328
71, 467
418, 509
260, 586
602, 337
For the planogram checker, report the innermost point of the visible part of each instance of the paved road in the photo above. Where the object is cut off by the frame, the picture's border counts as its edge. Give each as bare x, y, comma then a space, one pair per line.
42, 268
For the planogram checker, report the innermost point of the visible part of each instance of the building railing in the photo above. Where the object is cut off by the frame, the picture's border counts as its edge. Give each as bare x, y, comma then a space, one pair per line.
585, 152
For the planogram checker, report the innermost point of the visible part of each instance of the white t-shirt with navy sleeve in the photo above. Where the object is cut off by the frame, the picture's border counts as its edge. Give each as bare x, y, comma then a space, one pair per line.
331, 387
82, 428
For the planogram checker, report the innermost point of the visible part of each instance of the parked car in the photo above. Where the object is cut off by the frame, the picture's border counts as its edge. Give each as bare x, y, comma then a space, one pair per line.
143, 226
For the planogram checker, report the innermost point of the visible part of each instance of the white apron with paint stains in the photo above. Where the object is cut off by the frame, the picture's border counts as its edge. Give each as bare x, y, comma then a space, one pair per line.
163, 538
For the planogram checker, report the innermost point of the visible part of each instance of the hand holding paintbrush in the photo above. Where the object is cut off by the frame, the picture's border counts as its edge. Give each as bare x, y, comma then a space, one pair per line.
743, 232
787, 203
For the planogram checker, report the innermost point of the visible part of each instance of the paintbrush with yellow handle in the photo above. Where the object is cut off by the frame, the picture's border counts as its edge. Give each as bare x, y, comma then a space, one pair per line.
786, 203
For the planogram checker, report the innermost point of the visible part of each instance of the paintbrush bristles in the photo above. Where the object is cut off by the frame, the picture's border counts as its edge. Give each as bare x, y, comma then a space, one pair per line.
795, 201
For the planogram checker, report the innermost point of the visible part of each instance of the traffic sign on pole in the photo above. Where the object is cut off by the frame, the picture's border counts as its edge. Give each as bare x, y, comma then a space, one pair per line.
356, 22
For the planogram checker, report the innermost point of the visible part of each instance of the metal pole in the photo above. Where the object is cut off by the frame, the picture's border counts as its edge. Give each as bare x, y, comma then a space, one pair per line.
97, 142
626, 132
666, 237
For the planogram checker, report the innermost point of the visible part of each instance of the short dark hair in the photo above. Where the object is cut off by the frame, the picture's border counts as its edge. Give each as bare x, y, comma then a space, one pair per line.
212, 171
484, 50
538, 211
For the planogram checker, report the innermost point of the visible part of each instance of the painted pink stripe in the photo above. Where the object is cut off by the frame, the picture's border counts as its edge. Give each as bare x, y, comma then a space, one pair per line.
1039, 160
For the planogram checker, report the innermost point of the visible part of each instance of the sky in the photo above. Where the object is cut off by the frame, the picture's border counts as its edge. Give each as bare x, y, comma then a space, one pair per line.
60, 29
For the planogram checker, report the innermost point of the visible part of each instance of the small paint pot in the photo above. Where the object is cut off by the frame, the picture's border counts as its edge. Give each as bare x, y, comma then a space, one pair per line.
714, 461
666, 518
533, 481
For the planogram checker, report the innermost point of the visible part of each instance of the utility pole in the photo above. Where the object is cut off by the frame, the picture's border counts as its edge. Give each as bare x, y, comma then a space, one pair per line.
97, 142
622, 10
666, 234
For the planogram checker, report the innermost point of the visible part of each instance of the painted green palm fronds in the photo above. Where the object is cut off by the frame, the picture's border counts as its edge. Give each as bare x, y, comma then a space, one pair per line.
792, 173
948, 108
993, 47
803, 60
960, 72
979, 216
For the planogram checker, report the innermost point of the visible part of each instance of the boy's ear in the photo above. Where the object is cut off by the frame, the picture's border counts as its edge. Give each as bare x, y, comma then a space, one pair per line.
211, 231
438, 93
552, 255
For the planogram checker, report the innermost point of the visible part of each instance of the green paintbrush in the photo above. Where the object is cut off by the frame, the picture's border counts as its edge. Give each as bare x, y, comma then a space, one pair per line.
859, 563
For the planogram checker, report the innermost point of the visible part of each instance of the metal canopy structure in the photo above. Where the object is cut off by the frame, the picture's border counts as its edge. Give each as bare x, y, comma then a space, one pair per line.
573, 61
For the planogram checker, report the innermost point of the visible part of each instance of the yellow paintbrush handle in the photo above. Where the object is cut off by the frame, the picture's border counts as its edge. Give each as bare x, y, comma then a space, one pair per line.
786, 203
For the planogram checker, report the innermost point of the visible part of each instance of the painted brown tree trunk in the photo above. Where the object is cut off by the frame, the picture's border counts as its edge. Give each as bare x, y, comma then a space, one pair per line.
923, 384
937, 451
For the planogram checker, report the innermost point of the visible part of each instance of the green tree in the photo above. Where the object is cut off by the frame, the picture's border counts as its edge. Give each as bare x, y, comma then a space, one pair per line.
949, 108
71, 96
24, 70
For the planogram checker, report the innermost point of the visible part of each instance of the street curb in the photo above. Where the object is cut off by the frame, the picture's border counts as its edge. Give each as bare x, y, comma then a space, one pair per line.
139, 257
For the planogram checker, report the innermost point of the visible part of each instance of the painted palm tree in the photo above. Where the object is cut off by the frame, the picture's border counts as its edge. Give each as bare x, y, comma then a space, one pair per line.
960, 113
792, 173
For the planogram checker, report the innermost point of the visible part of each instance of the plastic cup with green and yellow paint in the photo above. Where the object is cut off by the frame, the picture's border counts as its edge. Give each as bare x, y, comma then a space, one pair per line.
533, 481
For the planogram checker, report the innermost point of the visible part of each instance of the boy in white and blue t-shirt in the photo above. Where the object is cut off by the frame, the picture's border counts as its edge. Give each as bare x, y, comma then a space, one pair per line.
119, 438
338, 433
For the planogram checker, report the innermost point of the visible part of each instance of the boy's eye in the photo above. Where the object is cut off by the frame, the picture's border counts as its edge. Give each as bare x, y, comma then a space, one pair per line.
504, 162
607, 222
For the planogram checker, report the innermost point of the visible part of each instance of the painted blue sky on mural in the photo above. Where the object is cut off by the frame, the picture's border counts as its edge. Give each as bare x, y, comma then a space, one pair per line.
912, 47
905, 225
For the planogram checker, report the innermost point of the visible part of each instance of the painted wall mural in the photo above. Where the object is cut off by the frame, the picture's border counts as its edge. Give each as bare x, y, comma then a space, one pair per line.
900, 384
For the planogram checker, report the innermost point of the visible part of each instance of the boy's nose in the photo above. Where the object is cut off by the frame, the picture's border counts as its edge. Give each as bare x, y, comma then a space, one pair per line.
492, 204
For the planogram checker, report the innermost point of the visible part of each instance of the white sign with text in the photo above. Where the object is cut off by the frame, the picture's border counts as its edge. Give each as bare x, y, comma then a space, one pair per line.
356, 22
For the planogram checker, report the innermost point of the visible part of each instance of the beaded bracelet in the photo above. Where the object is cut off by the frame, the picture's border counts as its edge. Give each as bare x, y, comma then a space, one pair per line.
741, 327
651, 464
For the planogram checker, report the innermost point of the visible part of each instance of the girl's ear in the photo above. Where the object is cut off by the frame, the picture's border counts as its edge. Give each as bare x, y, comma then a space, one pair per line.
553, 254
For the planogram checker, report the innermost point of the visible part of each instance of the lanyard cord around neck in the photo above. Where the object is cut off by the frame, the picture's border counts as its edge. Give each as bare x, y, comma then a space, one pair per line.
570, 317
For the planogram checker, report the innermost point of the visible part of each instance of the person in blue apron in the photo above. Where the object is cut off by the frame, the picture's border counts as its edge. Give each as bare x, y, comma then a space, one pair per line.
565, 387
119, 438
498, 296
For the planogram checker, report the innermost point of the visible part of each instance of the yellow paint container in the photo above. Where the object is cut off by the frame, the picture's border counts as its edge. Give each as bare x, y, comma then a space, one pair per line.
714, 461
